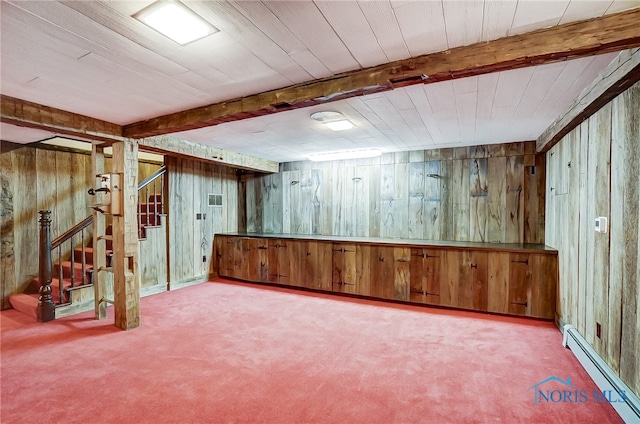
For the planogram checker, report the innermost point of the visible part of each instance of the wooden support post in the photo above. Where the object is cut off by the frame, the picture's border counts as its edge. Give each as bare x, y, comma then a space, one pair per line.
99, 243
125, 236
46, 308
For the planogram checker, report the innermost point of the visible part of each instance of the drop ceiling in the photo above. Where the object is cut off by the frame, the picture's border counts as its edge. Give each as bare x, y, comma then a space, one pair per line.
92, 58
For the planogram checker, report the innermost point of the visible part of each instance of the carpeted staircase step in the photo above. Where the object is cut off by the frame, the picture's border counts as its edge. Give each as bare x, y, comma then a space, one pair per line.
151, 207
149, 219
155, 198
25, 303
78, 270
88, 254
55, 287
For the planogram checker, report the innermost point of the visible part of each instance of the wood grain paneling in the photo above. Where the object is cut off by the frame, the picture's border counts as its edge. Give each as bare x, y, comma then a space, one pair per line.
599, 271
487, 194
191, 239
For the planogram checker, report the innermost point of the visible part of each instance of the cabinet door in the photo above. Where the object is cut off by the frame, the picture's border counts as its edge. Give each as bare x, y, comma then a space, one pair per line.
401, 277
545, 285
295, 250
425, 276
363, 270
499, 269
382, 272
533, 284
219, 243
464, 282
316, 265
278, 261
519, 284
256, 259
344, 268
479, 278
227, 256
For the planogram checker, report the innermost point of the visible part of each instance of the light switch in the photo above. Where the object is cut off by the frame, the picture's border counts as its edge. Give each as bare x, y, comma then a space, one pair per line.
601, 224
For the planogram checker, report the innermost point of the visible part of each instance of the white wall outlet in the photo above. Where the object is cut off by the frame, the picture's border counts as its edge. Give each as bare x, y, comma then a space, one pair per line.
602, 224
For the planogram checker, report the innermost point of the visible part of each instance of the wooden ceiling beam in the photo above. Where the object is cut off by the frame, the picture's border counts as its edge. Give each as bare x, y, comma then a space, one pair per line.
617, 77
606, 34
33, 115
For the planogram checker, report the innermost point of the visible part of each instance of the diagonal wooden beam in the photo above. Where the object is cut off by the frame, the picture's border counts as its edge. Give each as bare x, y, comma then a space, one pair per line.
606, 34
618, 76
184, 148
27, 114
33, 115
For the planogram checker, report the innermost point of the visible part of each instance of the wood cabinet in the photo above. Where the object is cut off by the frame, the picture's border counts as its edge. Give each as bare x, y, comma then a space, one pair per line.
505, 279
343, 275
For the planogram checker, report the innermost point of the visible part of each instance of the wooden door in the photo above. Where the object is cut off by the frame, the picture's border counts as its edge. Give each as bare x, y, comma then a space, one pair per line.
425, 276
278, 261
219, 243
227, 255
382, 272
401, 276
256, 259
544, 280
498, 282
316, 265
480, 280
519, 284
344, 268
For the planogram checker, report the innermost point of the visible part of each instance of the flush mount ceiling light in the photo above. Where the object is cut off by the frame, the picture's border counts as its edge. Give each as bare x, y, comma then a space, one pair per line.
176, 21
334, 120
348, 154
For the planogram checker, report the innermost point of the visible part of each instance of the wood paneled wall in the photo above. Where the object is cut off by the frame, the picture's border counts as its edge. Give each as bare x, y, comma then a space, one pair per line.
34, 179
492, 193
190, 238
595, 172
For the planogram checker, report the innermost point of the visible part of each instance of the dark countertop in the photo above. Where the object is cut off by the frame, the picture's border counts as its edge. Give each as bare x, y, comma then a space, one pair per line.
462, 245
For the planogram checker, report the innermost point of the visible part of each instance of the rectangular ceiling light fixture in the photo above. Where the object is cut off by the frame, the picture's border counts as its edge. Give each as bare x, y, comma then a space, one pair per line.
348, 154
176, 21
340, 125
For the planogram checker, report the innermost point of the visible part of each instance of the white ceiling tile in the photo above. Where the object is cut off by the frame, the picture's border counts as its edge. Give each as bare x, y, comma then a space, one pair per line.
349, 23
384, 25
497, 19
580, 9
531, 14
463, 22
305, 21
422, 26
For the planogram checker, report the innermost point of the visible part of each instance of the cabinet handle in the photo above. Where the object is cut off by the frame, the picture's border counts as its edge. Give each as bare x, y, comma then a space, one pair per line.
380, 259
526, 261
308, 253
402, 260
263, 247
520, 303
474, 266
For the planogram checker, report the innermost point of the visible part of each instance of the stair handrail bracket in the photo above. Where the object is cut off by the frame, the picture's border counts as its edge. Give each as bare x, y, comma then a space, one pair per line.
46, 310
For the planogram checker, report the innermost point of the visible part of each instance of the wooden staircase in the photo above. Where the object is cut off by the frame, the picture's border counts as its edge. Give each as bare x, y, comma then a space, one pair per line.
76, 273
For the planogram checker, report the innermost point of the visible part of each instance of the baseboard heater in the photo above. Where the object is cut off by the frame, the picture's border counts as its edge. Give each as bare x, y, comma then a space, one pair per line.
602, 374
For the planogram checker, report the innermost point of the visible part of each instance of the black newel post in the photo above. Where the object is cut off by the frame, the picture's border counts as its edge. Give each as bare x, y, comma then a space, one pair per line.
46, 308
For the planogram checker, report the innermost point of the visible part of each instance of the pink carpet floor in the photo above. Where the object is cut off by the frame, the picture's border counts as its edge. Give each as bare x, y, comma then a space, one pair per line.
234, 352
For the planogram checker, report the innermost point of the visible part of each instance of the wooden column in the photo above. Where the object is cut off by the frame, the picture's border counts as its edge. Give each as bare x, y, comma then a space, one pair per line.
99, 243
46, 310
125, 236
